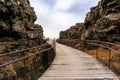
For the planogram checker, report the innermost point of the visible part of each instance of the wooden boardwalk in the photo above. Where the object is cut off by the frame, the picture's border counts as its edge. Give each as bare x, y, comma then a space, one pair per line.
72, 64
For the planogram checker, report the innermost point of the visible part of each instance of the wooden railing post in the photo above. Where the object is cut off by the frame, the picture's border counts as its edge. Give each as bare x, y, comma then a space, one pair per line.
41, 55
109, 59
97, 53
54, 47
87, 47
48, 57
26, 72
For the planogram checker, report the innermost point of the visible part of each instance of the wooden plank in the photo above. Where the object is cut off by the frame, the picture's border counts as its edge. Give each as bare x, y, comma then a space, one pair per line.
72, 64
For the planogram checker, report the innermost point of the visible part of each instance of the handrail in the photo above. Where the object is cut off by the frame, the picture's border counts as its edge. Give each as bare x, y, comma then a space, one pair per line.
13, 52
78, 40
102, 42
104, 47
116, 47
16, 60
24, 58
108, 45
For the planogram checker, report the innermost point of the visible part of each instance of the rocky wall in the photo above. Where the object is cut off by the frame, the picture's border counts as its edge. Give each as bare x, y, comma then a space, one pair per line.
17, 19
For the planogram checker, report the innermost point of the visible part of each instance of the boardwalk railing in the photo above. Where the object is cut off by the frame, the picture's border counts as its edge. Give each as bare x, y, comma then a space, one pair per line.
107, 52
26, 64
106, 45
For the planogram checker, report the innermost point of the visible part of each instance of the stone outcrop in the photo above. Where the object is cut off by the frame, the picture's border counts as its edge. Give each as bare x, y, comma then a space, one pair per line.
17, 23
101, 23
18, 31
74, 32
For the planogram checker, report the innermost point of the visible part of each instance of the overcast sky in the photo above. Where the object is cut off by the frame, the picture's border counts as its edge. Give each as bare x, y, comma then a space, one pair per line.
57, 15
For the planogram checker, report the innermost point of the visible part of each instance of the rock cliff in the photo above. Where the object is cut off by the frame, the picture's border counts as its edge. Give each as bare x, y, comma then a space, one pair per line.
101, 23
74, 32
17, 24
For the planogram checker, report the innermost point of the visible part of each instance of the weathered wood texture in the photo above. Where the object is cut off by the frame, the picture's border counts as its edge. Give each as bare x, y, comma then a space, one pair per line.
72, 64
